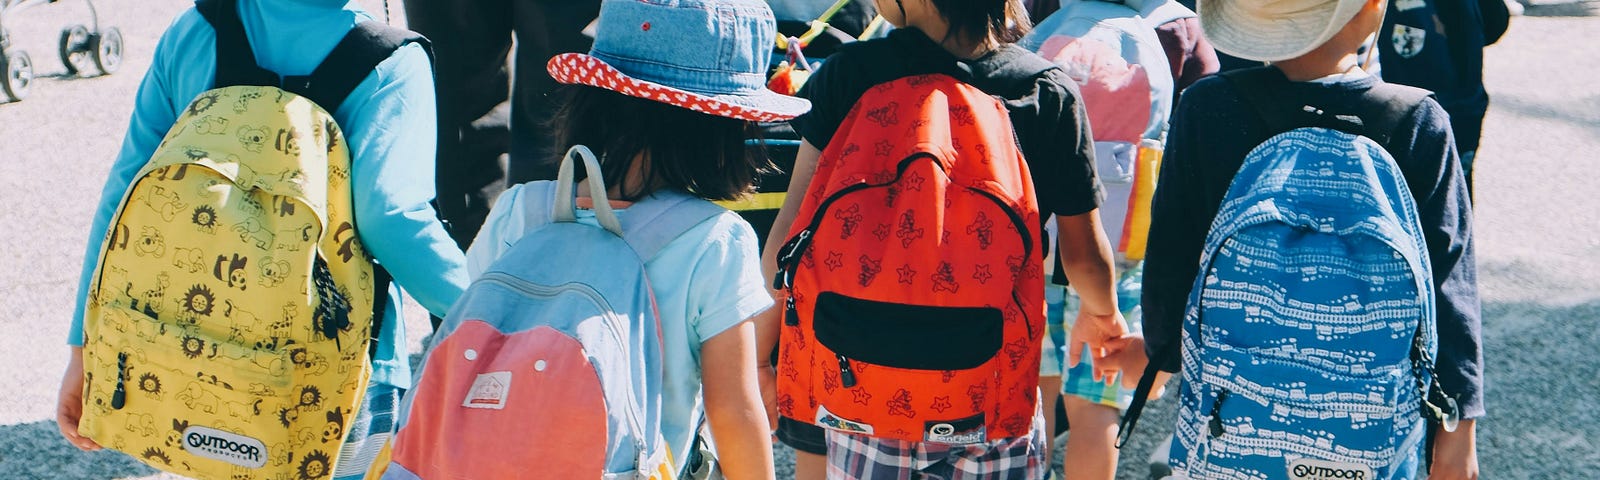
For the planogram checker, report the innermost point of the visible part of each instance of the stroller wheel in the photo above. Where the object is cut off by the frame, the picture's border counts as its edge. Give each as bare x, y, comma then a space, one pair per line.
107, 49
74, 48
19, 74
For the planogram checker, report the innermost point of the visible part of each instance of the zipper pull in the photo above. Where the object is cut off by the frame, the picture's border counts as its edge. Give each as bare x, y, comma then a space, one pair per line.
846, 377
791, 317
119, 397
1216, 415
788, 257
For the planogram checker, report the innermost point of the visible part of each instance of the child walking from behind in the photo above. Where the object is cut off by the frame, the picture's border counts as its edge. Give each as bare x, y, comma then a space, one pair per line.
1129, 58
970, 41
388, 125
668, 107
1215, 126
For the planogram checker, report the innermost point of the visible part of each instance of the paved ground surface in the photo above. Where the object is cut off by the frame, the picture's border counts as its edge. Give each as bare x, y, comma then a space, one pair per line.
1538, 227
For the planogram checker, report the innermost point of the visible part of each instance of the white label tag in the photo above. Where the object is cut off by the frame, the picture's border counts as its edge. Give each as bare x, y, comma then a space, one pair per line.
833, 422
489, 390
219, 445
1313, 469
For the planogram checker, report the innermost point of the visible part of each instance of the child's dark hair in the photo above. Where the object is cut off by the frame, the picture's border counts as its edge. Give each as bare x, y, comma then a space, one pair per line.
1006, 20
708, 156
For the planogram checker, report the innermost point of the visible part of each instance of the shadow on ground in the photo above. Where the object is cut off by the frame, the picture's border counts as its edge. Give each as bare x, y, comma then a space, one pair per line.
1571, 9
37, 451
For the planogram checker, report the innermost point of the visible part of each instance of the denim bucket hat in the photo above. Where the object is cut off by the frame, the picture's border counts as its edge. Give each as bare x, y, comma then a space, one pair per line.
709, 56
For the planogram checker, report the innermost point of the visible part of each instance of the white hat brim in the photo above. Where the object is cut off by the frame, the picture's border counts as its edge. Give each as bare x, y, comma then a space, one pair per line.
1294, 28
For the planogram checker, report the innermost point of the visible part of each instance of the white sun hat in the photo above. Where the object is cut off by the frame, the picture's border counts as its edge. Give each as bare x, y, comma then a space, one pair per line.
1273, 30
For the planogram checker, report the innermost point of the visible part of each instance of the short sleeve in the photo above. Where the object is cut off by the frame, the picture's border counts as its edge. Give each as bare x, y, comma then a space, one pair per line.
1060, 150
725, 286
500, 230
828, 89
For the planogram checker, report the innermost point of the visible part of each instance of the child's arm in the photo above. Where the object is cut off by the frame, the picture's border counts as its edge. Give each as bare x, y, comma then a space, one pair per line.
733, 403
153, 113
390, 127
805, 165
1086, 258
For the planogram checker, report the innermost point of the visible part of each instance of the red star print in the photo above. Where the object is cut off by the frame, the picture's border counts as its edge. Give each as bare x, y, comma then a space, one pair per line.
861, 396
834, 261
882, 232
907, 275
981, 274
883, 148
913, 182
940, 404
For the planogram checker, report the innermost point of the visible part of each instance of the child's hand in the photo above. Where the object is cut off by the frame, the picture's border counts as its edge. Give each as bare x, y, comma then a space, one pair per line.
1096, 333
69, 405
1455, 454
1128, 358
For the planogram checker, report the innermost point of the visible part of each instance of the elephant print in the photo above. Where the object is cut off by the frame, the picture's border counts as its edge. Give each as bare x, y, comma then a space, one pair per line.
210, 125
142, 424
163, 201
252, 230
196, 397
188, 259
290, 240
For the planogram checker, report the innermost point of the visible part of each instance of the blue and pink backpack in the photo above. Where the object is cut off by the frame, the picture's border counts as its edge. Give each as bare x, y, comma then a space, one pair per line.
550, 364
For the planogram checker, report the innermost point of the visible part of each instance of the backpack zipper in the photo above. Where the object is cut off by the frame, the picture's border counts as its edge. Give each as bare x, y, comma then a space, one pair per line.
119, 396
1216, 427
611, 320
846, 376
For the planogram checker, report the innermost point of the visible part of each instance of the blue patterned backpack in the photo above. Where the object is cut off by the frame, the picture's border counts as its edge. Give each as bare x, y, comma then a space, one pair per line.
1308, 339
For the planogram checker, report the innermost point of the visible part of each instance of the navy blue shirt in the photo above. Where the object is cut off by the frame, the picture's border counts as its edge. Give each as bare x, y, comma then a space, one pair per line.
1213, 128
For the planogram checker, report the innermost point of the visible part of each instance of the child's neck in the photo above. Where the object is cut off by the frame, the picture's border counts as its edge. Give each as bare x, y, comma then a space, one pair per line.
1318, 64
938, 29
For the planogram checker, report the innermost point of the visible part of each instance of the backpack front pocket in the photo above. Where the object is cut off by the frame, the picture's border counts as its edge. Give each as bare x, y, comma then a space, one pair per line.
1263, 404
914, 337
192, 403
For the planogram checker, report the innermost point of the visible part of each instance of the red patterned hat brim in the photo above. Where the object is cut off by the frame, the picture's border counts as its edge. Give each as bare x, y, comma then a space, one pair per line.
765, 106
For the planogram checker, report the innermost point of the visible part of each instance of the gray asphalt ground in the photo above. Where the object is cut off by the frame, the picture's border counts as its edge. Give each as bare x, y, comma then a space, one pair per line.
1538, 225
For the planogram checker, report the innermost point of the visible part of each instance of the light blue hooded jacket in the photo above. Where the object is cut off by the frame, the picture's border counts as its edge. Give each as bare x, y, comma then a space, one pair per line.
389, 124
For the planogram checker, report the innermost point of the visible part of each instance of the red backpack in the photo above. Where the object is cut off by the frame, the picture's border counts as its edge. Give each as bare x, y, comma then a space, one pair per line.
915, 305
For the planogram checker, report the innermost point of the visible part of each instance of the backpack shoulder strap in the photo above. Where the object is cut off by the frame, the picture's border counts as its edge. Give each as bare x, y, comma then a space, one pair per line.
236, 61
357, 54
1261, 87
367, 44
665, 215
648, 226
1398, 101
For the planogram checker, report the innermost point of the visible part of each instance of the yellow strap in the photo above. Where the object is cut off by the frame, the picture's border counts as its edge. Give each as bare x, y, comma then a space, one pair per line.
872, 28
759, 201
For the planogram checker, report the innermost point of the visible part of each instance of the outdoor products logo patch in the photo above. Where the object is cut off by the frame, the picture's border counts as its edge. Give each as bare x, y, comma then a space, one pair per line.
488, 391
219, 445
960, 432
1310, 469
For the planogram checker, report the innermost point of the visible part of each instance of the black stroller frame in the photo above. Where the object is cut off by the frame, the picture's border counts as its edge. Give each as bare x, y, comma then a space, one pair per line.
82, 49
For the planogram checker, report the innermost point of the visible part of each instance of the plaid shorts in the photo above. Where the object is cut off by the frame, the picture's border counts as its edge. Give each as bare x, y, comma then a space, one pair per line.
370, 431
867, 458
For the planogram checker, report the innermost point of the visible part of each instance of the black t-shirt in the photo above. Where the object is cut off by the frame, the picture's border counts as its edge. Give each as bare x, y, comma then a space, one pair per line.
1046, 112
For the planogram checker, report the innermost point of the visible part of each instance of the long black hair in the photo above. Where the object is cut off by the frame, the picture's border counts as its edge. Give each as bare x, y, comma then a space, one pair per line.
715, 158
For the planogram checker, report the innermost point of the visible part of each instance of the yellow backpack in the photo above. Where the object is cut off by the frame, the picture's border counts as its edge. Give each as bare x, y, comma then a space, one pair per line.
228, 323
